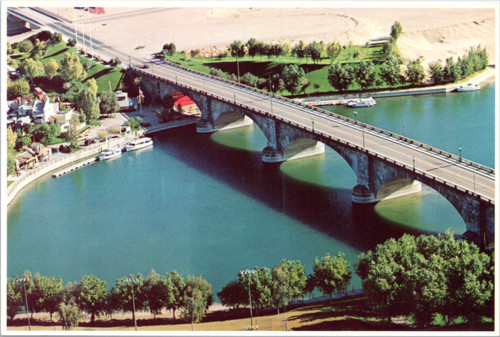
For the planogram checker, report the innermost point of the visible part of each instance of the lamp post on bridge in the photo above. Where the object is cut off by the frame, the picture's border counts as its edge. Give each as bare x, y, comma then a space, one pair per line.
362, 125
460, 153
23, 281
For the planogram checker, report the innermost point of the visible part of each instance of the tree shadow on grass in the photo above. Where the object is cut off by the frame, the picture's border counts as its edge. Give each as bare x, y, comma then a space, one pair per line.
99, 74
56, 53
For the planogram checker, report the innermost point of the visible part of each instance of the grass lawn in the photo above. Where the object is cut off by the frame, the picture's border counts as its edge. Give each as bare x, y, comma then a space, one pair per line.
103, 74
264, 67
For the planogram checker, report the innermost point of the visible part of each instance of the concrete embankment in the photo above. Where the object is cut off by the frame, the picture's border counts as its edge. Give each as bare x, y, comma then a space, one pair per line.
46, 167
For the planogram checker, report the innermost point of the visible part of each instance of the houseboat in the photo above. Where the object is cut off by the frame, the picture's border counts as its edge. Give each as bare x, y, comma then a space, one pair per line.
109, 154
139, 144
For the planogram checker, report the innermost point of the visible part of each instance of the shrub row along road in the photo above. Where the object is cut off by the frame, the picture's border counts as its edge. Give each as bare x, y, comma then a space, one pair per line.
439, 166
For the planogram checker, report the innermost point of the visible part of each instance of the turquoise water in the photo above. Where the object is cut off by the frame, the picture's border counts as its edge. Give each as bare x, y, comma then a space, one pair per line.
206, 204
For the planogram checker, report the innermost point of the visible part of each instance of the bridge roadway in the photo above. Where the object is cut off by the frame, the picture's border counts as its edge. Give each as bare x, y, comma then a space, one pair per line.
446, 168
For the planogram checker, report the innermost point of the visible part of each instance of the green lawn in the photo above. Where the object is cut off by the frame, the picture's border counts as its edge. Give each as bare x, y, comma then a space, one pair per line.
264, 67
103, 74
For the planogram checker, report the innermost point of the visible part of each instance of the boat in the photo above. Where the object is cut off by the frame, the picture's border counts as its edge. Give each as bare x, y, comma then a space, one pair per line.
139, 144
468, 87
362, 103
109, 154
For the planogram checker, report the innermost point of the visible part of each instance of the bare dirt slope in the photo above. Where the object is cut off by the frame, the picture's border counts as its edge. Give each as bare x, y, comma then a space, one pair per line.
434, 33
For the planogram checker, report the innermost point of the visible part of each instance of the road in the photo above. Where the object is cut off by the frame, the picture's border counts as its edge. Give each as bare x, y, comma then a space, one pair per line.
450, 170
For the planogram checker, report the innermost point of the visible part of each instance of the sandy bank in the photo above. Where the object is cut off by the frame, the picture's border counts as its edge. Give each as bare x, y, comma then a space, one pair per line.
434, 33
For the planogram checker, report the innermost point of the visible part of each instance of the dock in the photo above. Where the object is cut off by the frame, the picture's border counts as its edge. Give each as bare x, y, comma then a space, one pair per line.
74, 167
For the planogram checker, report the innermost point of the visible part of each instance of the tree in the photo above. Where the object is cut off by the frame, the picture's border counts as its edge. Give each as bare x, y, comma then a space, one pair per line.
109, 103
252, 47
15, 297
233, 294
423, 276
260, 282
18, 88
88, 102
51, 68
11, 153
296, 277
71, 42
9, 48
237, 49
396, 30
436, 72
365, 74
71, 68
313, 50
130, 292
69, 315
156, 293
451, 72
174, 284
197, 298
415, 72
340, 76
32, 68
92, 295
92, 84
169, 49
281, 292
332, 274
299, 50
48, 293
390, 70
333, 50
294, 78
25, 46
249, 79
45, 133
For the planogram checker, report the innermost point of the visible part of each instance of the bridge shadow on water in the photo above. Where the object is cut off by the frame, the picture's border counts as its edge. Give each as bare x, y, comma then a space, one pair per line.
328, 210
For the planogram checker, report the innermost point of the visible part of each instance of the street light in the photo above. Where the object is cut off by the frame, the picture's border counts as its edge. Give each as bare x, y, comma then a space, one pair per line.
133, 280
23, 281
312, 122
247, 273
362, 126
460, 153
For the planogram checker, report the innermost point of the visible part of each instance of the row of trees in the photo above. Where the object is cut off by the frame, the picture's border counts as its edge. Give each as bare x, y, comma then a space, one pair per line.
171, 291
475, 60
417, 277
286, 282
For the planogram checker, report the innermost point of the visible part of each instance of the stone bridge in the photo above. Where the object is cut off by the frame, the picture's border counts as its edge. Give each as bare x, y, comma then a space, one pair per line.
378, 177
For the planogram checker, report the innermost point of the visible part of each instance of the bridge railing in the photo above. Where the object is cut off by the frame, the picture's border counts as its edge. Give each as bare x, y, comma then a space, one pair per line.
396, 136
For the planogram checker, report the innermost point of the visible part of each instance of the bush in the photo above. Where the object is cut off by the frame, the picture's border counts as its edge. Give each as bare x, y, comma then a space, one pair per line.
25, 46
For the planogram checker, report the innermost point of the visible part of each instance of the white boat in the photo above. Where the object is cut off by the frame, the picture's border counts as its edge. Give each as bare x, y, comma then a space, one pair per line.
362, 103
109, 154
139, 144
468, 87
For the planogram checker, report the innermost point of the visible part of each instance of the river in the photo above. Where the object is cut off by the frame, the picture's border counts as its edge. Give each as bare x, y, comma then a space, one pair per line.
206, 204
